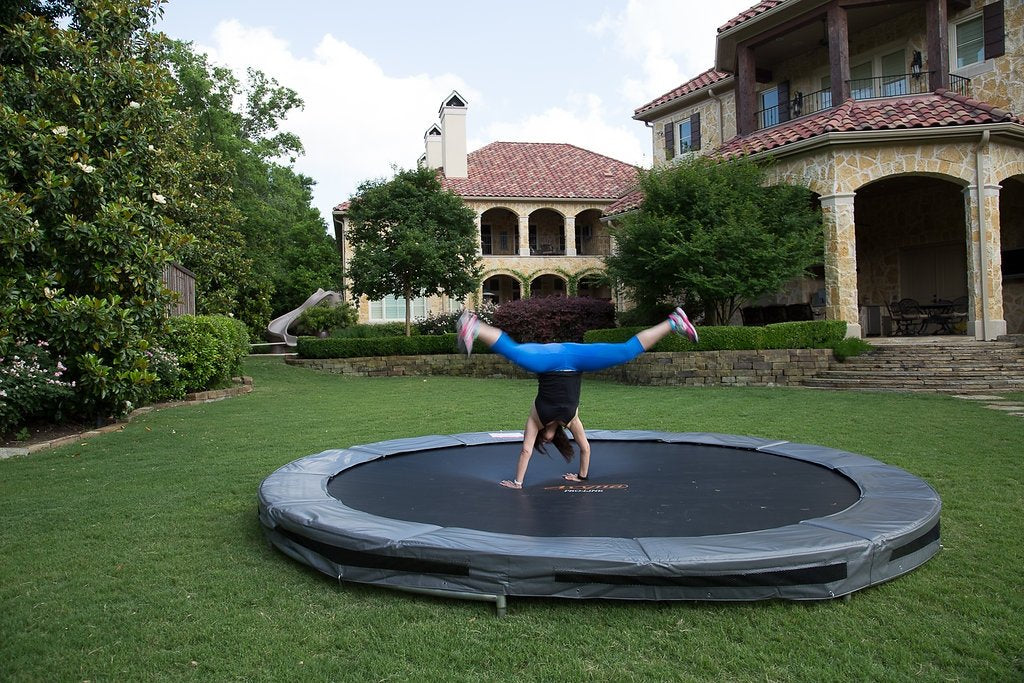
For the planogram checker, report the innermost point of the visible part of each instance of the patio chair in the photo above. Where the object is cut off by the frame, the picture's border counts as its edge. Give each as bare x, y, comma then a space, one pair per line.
907, 317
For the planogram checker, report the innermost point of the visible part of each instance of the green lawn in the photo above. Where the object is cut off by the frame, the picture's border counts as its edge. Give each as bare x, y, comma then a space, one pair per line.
138, 555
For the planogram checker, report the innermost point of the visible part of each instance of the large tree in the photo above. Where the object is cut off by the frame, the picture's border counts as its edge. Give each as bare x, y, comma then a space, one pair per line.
714, 233
271, 250
411, 238
91, 169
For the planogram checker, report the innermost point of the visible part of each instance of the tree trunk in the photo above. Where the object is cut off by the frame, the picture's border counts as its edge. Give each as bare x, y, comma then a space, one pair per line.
408, 311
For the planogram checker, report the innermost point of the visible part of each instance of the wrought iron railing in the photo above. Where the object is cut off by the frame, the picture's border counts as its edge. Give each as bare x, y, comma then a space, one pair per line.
896, 85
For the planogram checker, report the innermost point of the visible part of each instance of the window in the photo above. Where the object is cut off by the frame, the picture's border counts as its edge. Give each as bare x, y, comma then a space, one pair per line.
826, 92
485, 240
861, 85
685, 135
393, 308
769, 107
970, 42
894, 77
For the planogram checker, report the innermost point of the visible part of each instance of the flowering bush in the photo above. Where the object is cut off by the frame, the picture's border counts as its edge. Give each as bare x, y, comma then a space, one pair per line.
31, 385
444, 323
169, 384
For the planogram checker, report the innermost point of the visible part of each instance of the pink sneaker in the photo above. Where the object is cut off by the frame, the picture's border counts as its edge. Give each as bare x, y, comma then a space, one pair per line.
681, 325
466, 330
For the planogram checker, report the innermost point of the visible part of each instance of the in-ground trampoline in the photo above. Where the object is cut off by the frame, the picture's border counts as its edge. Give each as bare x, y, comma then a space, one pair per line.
664, 516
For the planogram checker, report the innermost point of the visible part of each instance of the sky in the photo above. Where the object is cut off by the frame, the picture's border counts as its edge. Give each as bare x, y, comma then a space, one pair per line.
373, 73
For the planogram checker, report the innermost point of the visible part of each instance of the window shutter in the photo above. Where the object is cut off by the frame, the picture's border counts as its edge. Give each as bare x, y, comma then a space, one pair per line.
670, 140
783, 90
695, 131
994, 30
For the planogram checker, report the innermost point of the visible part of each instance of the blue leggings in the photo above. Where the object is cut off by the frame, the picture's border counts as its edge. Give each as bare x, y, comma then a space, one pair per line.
567, 356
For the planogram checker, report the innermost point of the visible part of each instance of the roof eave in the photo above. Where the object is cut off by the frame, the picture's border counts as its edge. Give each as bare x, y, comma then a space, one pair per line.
1003, 129
726, 41
660, 110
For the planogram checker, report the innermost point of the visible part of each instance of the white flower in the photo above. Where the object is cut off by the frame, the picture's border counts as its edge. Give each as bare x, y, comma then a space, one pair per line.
134, 105
159, 198
60, 130
85, 167
152, 148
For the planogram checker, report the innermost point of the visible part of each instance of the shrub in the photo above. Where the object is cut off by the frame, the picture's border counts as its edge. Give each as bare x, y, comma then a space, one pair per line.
209, 349
849, 347
356, 347
327, 319
169, 384
554, 319
31, 385
372, 331
795, 335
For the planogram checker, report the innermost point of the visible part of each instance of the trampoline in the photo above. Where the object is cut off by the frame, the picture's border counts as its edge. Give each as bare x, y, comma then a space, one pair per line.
664, 516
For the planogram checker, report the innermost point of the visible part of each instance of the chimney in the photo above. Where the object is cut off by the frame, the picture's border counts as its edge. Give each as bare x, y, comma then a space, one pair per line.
432, 142
453, 136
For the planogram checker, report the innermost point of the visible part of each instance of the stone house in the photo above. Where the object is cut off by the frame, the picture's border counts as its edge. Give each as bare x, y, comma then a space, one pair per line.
538, 211
898, 115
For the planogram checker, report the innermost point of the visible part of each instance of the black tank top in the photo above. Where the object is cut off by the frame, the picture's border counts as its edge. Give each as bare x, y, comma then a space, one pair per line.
558, 396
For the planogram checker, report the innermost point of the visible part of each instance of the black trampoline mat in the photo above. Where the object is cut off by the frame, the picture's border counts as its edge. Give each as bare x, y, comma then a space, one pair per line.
636, 489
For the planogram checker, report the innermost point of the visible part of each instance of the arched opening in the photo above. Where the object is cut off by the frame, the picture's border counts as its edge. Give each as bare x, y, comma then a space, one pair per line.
547, 285
499, 289
499, 232
592, 236
547, 233
911, 244
594, 286
1011, 239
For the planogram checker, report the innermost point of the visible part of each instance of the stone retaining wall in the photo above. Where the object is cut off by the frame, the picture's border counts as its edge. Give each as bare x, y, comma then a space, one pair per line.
775, 367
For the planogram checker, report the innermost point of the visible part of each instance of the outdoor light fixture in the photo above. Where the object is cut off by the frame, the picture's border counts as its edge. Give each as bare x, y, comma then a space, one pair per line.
915, 64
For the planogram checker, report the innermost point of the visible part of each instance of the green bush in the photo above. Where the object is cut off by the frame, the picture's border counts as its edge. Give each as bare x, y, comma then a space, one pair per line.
209, 349
849, 347
795, 335
373, 331
32, 386
319, 319
418, 345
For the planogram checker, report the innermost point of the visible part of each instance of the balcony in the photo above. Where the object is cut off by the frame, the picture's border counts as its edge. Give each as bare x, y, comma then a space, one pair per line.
898, 85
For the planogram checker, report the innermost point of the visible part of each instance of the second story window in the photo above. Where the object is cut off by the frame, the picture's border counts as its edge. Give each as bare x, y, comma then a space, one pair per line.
769, 107
682, 136
685, 132
970, 42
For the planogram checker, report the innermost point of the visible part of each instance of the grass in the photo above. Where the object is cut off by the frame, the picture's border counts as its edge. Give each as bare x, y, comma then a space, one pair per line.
138, 556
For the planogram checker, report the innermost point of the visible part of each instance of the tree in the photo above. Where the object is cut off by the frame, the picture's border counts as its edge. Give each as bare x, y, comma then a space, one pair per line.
91, 169
271, 250
411, 238
712, 232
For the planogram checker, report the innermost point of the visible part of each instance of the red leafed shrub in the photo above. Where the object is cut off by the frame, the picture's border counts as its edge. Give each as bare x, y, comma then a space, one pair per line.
554, 319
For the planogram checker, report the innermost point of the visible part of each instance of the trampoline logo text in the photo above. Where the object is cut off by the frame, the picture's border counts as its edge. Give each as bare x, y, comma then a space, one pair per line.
587, 488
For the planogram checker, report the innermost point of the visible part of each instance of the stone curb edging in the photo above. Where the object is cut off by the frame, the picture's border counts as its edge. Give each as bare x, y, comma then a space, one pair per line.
244, 387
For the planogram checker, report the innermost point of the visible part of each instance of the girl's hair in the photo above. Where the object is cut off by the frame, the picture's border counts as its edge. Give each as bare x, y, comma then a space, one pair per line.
561, 441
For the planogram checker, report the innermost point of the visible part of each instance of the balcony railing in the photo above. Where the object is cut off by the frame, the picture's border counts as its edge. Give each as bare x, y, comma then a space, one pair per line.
860, 89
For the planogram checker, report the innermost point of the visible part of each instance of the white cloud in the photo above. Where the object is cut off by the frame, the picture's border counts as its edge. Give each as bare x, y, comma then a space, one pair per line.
357, 121
669, 41
583, 122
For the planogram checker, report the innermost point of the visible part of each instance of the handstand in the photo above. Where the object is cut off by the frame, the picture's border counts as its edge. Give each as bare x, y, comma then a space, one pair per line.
560, 368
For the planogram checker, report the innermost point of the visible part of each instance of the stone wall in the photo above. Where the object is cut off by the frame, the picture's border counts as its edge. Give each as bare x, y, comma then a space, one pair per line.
775, 367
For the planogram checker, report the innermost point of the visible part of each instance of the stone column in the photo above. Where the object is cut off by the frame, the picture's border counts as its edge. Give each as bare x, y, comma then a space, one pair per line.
524, 235
570, 235
480, 235
984, 264
841, 261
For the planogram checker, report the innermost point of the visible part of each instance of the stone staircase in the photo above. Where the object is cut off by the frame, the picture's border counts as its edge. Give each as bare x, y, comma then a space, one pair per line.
937, 364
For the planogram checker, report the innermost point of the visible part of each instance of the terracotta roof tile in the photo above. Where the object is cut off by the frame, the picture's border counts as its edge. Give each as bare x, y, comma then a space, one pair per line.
938, 109
759, 8
632, 199
703, 80
538, 169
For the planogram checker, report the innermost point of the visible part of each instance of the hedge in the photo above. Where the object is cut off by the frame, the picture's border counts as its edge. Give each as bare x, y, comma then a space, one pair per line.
210, 349
817, 334
812, 334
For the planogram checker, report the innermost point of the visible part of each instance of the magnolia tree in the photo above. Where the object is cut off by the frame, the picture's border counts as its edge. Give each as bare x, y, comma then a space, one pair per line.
91, 169
411, 238
712, 233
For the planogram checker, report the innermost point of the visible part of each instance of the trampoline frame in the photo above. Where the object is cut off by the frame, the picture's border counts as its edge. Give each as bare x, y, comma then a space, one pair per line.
892, 529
